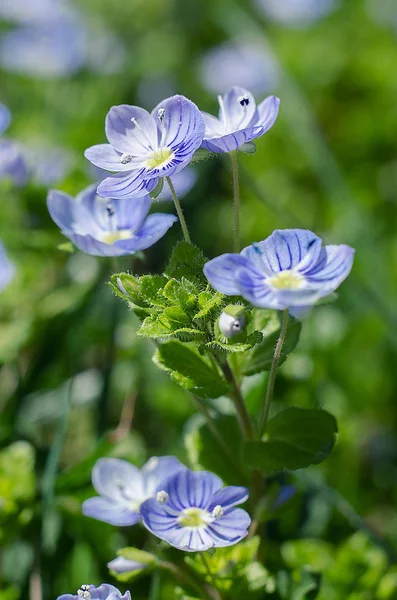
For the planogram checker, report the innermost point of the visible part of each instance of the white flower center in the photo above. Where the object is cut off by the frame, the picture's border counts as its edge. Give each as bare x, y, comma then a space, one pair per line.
159, 157
286, 280
83, 592
194, 517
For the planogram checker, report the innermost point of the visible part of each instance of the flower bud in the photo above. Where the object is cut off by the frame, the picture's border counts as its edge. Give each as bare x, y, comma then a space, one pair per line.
232, 320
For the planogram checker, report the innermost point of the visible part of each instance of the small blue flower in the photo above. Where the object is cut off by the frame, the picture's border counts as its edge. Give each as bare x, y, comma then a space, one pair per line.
240, 120
290, 269
12, 161
107, 227
144, 147
89, 592
7, 269
123, 487
193, 512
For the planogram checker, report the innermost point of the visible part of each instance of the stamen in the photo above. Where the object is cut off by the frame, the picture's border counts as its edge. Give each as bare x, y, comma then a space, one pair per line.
110, 209
126, 158
83, 592
244, 100
218, 512
162, 497
161, 113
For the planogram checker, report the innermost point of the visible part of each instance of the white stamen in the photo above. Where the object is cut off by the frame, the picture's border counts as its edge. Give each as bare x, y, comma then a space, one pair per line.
110, 209
218, 512
161, 113
83, 592
162, 497
126, 158
152, 463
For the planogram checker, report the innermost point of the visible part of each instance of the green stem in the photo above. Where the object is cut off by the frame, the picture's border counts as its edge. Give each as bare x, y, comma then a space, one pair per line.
236, 196
186, 578
179, 211
272, 375
239, 404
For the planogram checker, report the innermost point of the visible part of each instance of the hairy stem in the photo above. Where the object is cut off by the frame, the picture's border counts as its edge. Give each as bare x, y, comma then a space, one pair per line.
236, 196
272, 375
179, 211
188, 579
211, 575
243, 416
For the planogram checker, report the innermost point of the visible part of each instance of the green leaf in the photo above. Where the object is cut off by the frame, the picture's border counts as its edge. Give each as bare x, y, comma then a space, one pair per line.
66, 247
128, 288
181, 292
269, 322
208, 301
295, 438
151, 287
300, 585
170, 323
190, 370
205, 451
248, 148
236, 347
186, 261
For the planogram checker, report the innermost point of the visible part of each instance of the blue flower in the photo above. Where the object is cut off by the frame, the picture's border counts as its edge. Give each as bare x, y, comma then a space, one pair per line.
7, 269
144, 147
107, 227
240, 120
12, 162
193, 512
290, 269
123, 487
90, 592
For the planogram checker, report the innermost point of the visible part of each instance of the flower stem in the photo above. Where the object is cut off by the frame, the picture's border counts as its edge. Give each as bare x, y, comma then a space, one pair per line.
236, 196
186, 578
272, 375
239, 404
179, 211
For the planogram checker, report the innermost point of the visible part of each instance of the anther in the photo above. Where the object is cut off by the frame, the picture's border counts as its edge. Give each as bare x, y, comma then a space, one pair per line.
244, 100
218, 512
110, 209
126, 158
162, 497
83, 592
161, 113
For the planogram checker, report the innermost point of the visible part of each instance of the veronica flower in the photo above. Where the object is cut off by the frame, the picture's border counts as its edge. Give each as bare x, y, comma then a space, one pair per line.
125, 565
144, 147
12, 162
193, 512
290, 269
90, 592
7, 269
240, 120
123, 487
107, 227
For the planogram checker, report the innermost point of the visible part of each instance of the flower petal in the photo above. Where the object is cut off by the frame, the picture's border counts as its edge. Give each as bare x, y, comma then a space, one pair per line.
284, 249
220, 272
151, 231
138, 137
237, 108
191, 488
105, 157
124, 565
108, 511
114, 477
266, 113
231, 141
253, 287
158, 470
231, 528
333, 266
181, 126
126, 185
91, 245
61, 207
130, 213
213, 126
228, 496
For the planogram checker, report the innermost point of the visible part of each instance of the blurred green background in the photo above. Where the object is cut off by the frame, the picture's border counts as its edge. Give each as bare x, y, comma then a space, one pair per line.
72, 373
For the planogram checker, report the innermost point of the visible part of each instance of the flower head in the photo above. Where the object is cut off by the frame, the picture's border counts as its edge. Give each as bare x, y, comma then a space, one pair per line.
90, 592
144, 147
123, 487
240, 120
107, 227
7, 269
290, 269
198, 514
